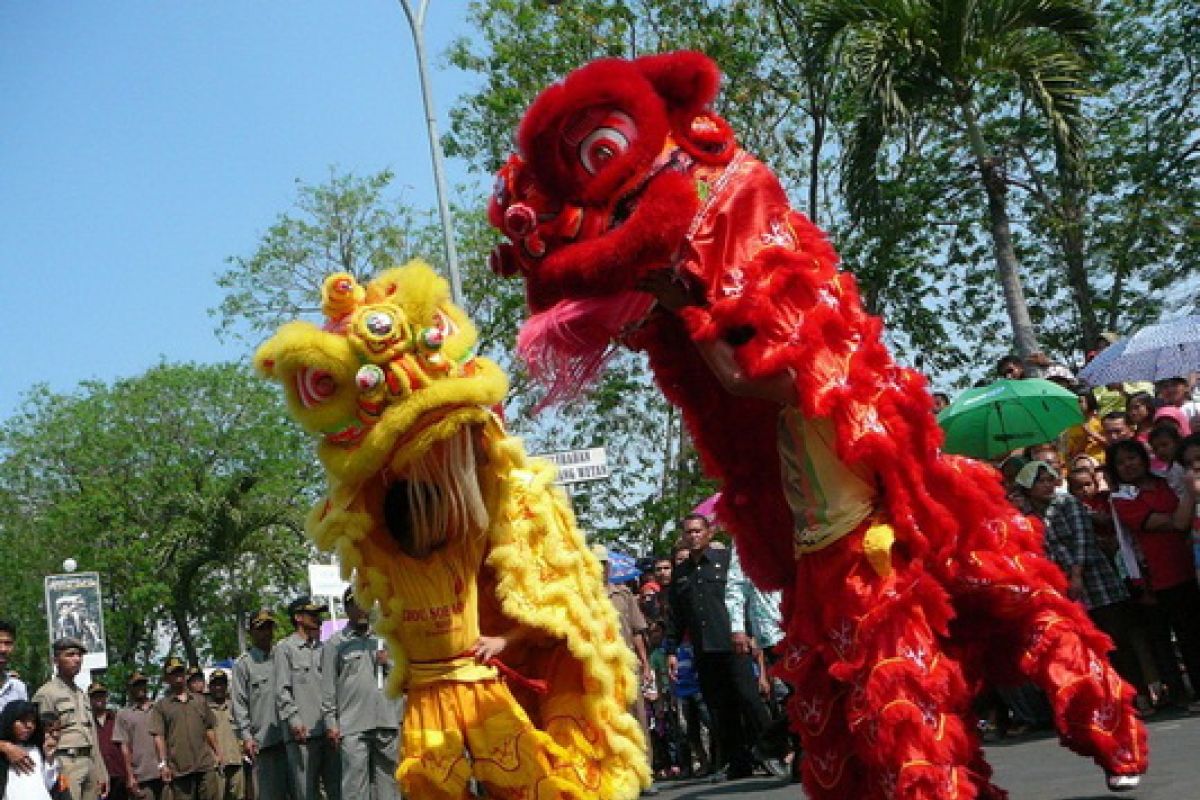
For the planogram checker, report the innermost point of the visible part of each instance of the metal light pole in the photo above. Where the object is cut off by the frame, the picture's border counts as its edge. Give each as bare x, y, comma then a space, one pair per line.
416, 24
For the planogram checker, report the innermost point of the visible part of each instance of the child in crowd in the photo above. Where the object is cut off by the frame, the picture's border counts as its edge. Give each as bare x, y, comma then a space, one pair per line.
1164, 447
21, 725
693, 713
666, 737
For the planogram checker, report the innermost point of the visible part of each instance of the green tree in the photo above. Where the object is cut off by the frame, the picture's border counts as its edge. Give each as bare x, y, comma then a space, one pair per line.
184, 487
346, 224
934, 61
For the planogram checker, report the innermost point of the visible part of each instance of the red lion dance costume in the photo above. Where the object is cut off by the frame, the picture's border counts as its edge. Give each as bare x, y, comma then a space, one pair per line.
908, 578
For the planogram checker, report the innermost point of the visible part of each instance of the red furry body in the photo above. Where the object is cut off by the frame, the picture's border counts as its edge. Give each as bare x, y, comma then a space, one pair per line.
624, 170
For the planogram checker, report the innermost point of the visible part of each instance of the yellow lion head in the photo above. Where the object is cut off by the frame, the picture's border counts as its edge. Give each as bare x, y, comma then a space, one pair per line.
391, 372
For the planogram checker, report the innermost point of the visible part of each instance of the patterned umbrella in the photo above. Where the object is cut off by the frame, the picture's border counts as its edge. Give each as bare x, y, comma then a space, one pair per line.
621, 567
996, 419
1166, 350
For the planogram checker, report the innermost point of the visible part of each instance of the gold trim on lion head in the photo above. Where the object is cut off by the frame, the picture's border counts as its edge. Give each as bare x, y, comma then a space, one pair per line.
392, 371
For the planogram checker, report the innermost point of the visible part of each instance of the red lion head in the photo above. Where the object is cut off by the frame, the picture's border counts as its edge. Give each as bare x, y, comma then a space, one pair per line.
601, 190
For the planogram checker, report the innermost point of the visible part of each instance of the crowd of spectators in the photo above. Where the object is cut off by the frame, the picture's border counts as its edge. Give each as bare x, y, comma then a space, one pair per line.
295, 719
1117, 496
705, 638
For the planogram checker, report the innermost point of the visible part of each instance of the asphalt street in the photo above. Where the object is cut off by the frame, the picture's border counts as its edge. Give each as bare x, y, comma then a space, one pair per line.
1032, 768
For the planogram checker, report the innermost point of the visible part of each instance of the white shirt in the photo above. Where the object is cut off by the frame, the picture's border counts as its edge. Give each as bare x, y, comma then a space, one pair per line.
34, 785
12, 689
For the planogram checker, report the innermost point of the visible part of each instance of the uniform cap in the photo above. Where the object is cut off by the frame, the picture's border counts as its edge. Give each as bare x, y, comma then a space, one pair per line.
306, 603
195, 672
68, 643
260, 618
218, 675
173, 664
136, 677
96, 687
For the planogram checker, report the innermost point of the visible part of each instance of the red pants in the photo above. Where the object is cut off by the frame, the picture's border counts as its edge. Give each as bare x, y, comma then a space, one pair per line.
885, 669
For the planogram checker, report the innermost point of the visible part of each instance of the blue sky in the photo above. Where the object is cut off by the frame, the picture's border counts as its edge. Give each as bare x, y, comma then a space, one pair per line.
142, 143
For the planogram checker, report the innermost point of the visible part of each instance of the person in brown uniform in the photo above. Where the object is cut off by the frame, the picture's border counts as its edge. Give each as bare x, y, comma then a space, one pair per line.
78, 746
231, 768
633, 633
183, 727
132, 732
110, 751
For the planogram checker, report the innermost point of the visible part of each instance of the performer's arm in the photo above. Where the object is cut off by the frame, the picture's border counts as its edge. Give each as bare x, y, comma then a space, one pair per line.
488, 647
717, 353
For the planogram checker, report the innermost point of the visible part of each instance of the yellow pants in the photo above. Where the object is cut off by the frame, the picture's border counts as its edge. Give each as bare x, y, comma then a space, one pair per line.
456, 731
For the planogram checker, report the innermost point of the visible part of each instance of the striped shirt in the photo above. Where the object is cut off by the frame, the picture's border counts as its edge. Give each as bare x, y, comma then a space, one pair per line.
1071, 541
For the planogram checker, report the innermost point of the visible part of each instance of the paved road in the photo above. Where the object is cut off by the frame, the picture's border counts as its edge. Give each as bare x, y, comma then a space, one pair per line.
1035, 768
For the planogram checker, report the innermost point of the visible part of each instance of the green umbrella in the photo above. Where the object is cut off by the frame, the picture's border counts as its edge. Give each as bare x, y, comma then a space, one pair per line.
991, 421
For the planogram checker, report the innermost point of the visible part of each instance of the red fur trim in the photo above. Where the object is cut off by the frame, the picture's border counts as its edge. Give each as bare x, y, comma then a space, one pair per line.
686, 80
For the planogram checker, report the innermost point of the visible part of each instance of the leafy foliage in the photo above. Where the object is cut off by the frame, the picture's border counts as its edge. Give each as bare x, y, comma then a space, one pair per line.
343, 225
184, 487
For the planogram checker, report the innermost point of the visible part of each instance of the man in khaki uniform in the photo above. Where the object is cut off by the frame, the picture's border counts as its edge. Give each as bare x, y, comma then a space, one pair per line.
255, 717
78, 747
232, 771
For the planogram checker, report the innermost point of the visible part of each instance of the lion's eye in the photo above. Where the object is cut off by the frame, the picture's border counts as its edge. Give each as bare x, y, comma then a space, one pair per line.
606, 142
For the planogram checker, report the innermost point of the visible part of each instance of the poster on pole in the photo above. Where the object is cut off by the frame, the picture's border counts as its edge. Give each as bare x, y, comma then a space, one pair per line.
73, 608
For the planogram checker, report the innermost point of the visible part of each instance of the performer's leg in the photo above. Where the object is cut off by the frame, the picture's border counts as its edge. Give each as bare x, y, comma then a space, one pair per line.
435, 764
1014, 595
512, 758
882, 711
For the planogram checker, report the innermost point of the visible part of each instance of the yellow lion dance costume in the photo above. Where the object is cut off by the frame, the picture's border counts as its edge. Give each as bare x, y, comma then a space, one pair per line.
463, 542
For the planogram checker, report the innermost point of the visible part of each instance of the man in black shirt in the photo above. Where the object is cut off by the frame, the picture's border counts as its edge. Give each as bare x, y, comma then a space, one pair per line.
697, 600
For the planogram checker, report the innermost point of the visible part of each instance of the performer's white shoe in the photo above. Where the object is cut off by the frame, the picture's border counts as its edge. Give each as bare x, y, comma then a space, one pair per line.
1123, 783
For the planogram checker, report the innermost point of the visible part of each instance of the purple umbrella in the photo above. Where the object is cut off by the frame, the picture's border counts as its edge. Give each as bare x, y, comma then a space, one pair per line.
1154, 353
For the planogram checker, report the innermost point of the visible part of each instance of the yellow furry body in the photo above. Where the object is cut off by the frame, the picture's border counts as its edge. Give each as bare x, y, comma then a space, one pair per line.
530, 568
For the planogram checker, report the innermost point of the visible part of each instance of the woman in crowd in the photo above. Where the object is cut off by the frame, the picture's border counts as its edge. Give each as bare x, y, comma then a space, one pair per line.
1087, 438
1139, 413
1161, 523
21, 725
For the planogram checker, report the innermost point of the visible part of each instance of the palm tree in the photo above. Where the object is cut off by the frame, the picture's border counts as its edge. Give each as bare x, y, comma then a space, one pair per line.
911, 61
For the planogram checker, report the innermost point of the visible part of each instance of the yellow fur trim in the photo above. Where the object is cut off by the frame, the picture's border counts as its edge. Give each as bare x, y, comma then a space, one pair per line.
877, 546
